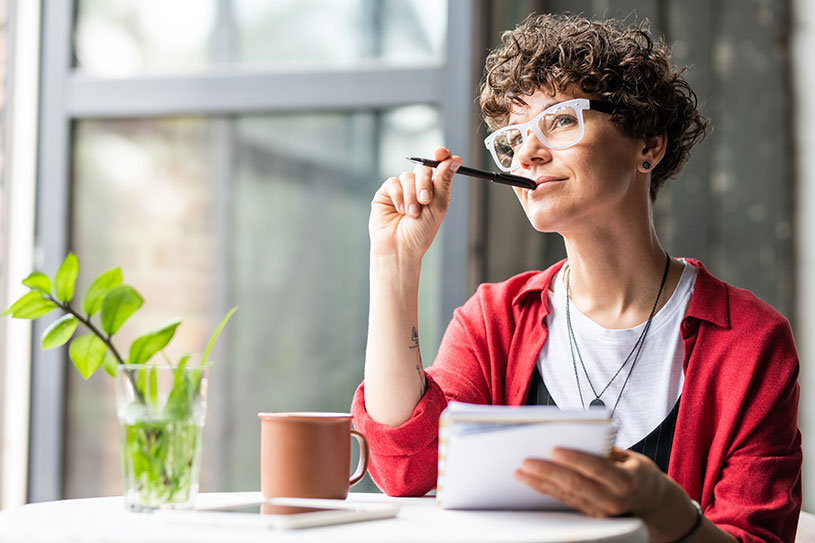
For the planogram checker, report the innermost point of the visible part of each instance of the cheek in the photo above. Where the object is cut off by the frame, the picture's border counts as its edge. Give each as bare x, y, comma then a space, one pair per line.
607, 168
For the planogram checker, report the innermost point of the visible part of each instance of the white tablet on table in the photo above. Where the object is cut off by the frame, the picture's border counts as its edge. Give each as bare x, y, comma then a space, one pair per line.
284, 513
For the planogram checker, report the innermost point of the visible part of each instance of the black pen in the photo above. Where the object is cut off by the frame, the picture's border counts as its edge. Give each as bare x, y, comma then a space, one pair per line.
497, 177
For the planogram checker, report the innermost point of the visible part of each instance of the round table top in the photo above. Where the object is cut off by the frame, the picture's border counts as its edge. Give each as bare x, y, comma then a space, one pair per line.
419, 519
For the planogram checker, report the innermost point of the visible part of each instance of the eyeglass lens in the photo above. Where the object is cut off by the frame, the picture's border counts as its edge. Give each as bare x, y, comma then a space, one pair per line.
560, 128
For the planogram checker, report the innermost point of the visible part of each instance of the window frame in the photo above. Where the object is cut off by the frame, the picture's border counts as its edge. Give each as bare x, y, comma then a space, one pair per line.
68, 96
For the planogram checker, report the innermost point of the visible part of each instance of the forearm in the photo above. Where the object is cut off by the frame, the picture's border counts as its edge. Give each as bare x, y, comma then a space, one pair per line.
394, 376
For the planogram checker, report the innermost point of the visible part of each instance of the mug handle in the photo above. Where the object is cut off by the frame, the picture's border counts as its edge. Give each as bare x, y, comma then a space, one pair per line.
362, 466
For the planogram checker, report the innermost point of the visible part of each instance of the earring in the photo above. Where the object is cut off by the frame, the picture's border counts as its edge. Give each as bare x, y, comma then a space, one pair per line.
646, 165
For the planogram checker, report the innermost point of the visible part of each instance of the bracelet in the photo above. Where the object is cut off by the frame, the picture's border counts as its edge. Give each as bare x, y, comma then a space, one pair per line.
696, 525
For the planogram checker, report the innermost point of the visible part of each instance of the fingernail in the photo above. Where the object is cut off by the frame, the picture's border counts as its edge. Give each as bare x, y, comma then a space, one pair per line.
414, 210
455, 166
424, 195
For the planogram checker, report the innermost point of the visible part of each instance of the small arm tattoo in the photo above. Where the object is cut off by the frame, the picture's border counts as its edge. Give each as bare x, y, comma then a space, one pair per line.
414, 339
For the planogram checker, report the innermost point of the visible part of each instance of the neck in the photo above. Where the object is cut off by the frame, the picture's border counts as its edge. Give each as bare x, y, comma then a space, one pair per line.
614, 279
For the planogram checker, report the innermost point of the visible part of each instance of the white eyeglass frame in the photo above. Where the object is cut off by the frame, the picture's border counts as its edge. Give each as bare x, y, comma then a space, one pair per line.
579, 104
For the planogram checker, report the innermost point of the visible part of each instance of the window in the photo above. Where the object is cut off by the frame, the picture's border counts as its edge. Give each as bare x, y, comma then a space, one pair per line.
226, 153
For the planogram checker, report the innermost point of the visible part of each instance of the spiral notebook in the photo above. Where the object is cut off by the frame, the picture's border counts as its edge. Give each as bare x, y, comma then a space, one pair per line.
481, 446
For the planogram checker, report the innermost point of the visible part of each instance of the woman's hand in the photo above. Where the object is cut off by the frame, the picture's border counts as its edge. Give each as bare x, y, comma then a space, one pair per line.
625, 483
407, 211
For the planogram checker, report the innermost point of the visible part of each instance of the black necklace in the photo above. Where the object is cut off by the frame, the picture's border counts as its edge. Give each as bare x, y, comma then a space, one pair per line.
597, 402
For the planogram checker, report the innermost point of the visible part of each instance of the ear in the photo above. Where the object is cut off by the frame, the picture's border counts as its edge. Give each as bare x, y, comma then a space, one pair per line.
653, 149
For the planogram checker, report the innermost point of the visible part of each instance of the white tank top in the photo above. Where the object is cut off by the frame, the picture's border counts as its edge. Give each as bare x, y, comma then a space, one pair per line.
656, 378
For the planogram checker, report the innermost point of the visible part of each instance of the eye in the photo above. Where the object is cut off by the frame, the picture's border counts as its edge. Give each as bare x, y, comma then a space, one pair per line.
561, 121
515, 140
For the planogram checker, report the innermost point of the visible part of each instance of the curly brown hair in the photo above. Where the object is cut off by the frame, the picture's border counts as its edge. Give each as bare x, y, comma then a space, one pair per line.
605, 59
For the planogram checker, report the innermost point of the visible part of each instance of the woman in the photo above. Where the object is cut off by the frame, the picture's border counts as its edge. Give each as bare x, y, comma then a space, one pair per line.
700, 376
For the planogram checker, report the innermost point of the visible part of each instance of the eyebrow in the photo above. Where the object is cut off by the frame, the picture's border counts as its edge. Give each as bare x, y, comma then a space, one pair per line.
545, 107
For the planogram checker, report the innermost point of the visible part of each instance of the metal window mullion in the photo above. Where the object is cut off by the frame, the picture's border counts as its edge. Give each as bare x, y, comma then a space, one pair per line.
52, 241
241, 92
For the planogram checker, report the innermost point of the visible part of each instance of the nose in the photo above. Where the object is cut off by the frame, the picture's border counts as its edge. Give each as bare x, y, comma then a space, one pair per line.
532, 151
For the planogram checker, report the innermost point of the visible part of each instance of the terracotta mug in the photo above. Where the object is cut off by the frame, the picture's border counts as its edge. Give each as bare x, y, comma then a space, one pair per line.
308, 455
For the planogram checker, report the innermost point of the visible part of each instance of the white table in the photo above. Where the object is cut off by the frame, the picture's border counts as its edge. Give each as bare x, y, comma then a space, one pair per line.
419, 520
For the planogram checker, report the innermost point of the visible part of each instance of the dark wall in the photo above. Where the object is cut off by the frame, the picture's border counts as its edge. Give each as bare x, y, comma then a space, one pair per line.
732, 206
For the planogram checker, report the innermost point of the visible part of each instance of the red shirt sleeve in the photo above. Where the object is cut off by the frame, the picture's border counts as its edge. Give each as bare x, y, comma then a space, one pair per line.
737, 448
757, 493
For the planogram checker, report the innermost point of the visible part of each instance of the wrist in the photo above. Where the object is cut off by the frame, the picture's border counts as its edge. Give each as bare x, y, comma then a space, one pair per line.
698, 518
395, 266
672, 514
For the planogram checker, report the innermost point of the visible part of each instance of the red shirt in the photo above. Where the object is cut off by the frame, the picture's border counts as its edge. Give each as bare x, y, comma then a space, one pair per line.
736, 447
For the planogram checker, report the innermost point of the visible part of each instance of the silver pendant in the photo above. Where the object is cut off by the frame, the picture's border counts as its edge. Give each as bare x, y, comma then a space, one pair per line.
597, 403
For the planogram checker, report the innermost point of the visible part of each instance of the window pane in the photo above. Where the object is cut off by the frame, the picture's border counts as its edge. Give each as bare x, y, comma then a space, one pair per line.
267, 212
115, 38
122, 37
339, 32
142, 201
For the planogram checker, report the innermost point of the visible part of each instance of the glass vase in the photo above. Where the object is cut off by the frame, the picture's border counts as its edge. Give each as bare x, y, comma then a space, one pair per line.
161, 411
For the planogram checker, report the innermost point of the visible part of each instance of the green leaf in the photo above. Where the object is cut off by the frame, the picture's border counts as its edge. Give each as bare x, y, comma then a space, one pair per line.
38, 281
59, 332
179, 370
118, 305
104, 283
216, 333
144, 347
87, 353
153, 386
110, 364
141, 379
180, 401
182, 363
65, 279
194, 376
30, 306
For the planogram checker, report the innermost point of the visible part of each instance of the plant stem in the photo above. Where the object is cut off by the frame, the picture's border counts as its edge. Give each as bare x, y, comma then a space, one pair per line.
105, 339
87, 322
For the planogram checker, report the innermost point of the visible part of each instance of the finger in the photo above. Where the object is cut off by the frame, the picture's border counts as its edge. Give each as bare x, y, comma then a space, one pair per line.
589, 504
424, 183
604, 471
408, 181
393, 188
619, 455
570, 482
446, 168
562, 476
441, 153
443, 176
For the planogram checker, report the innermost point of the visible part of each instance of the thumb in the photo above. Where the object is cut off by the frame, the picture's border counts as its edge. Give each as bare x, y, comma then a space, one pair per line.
443, 177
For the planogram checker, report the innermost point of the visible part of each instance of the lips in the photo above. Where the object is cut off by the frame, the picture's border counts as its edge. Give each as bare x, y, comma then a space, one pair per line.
547, 179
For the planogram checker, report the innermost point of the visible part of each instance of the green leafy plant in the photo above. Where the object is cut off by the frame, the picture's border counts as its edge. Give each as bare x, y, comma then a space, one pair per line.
161, 444
106, 297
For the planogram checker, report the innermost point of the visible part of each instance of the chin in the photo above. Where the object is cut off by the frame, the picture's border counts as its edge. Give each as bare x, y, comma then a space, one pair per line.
541, 220
545, 228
